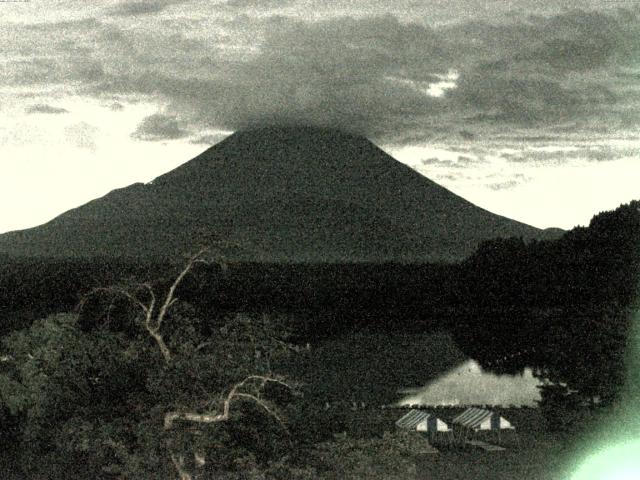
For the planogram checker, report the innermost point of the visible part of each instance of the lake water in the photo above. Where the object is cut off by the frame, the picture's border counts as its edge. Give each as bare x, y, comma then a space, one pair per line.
468, 384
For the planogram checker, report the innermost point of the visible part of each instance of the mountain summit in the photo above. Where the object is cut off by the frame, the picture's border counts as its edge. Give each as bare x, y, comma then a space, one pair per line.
278, 195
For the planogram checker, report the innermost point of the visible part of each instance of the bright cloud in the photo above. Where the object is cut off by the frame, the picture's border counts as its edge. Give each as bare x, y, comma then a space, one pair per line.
563, 187
70, 160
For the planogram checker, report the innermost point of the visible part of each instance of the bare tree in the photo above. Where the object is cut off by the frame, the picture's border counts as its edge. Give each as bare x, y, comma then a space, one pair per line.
153, 317
217, 408
250, 388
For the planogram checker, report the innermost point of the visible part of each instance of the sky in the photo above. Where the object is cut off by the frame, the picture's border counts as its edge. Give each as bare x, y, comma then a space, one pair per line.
530, 109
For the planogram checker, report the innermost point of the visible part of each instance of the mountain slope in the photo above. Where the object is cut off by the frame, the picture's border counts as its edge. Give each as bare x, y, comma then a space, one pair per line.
278, 194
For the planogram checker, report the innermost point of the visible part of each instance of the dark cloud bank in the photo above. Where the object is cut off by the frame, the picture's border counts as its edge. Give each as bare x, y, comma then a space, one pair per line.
136, 8
369, 75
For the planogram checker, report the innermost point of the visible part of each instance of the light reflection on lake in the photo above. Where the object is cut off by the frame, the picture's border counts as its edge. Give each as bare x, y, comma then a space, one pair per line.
468, 384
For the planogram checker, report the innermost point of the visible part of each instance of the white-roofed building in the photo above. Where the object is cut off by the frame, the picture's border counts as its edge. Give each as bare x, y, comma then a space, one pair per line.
425, 422
478, 420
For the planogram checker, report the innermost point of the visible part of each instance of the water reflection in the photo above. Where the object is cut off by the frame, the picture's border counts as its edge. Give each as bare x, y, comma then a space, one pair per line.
468, 384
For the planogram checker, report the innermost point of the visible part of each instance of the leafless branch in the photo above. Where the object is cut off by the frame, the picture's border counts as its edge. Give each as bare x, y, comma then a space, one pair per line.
178, 462
203, 345
170, 417
235, 393
170, 298
152, 322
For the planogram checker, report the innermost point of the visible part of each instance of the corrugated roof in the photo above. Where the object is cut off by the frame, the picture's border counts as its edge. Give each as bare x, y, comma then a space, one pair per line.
481, 419
423, 421
411, 419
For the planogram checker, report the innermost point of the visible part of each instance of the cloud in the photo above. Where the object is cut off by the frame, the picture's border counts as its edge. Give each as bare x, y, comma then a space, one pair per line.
82, 135
159, 127
57, 53
499, 97
210, 139
365, 74
451, 177
546, 68
462, 161
44, 108
559, 154
503, 185
370, 75
262, 4
129, 9
575, 40
358, 75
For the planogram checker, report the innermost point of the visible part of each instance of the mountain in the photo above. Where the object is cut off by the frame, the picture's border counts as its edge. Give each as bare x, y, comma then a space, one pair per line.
278, 195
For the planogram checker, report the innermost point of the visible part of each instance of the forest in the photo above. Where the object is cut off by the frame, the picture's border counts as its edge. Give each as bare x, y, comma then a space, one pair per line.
168, 368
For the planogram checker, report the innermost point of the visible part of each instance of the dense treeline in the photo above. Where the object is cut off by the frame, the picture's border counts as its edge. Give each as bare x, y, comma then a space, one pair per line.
560, 306
32, 288
326, 298
563, 307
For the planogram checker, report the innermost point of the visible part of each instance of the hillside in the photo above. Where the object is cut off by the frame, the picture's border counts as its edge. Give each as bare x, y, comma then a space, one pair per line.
277, 195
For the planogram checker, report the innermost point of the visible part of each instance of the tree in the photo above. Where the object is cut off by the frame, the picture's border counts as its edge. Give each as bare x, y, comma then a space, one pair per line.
562, 307
143, 403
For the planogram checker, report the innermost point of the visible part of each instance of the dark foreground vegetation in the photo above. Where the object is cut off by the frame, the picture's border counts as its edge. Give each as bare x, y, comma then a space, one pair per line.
164, 370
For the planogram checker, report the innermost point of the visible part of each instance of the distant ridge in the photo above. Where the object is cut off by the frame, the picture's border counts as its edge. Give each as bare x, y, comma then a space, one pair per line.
281, 195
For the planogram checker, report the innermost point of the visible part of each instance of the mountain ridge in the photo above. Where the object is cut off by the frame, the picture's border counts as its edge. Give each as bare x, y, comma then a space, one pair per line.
280, 194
